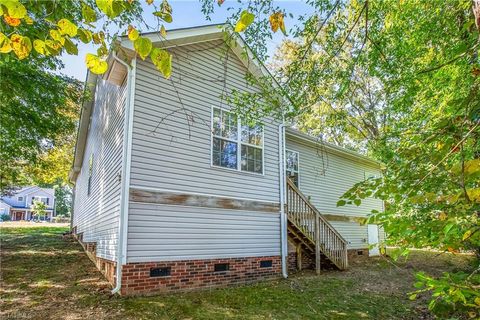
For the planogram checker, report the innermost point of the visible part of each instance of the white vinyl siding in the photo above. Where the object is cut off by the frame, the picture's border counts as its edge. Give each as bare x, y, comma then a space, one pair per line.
325, 176
169, 233
172, 128
96, 215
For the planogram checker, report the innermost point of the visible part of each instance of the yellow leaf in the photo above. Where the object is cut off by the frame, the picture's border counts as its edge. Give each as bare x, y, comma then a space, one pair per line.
467, 235
28, 20
39, 46
143, 46
67, 27
246, 19
95, 65
477, 301
163, 32
163, 61
55, 34
442, 216
149, 2
132, 33
5, 44
276, 22
14, 8
52, 46
14, 22
474, 194
21, 46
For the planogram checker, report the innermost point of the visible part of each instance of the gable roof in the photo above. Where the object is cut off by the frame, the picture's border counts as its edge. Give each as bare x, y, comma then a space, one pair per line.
176, 37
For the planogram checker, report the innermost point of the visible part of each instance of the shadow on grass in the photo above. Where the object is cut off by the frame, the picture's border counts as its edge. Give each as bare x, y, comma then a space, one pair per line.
45, 276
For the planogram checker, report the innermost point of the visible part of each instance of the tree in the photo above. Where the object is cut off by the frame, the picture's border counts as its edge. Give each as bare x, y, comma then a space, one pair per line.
39, 209
37, 122
63, 200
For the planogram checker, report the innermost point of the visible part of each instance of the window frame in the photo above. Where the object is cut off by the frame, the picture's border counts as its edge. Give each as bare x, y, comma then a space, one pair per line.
239, 143
298, 164
40, 199
20, 198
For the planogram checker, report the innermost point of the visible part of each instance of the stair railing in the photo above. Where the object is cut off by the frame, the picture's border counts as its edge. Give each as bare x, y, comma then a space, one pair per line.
306, 217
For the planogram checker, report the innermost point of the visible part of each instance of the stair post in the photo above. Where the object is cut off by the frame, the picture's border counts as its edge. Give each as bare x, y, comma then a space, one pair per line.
317, 243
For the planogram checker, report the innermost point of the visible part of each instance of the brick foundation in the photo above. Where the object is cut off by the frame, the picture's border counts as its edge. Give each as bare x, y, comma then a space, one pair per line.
106, 267
194, 274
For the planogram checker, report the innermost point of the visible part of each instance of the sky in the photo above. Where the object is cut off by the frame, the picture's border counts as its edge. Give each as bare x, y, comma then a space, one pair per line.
187, 13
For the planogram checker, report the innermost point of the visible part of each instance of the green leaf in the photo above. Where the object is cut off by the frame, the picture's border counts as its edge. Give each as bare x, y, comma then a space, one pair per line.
412, 296
14, 8
341, 203
163, 32
85, 35
5, 44
357, 202
165, 16
95, 64
163, 61
448, 228
39, 46
70, 47
246, 19
112, 8
467, 235
143, 46
53, 47
89, 15
67, 27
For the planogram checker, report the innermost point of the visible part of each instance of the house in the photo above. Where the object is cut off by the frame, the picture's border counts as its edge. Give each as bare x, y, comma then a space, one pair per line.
19, 204
173, 192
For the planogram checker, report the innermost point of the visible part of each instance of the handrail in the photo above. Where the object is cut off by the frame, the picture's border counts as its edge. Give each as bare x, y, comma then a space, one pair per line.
306, 218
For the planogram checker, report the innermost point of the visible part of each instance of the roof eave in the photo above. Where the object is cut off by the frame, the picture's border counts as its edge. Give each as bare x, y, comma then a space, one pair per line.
335, 149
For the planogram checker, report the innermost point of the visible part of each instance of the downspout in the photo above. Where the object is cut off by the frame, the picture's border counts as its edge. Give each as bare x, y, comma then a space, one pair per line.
125, 175
283, 222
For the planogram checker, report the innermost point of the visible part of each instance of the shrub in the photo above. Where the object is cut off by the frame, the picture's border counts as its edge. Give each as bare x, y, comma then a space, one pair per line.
5, 217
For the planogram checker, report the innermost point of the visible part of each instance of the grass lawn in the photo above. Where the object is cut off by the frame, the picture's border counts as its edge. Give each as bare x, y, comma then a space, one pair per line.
44, 276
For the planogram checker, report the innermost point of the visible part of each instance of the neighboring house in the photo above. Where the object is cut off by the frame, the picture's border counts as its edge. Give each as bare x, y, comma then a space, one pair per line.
173, 193
19, 204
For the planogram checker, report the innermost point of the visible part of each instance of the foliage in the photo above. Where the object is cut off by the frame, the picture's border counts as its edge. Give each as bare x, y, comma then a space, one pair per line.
5, 217
63, 200
398, 80
37, 123
49, 29
39, 209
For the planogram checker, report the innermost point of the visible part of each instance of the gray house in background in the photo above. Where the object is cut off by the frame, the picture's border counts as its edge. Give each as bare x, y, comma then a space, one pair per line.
18, 204
174, 192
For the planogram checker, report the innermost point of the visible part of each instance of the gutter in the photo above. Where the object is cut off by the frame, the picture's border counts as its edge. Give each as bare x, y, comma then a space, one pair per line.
283, 219
125, 175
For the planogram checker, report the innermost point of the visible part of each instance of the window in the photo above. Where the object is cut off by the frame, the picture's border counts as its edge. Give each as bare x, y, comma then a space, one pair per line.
20, 199
40, 199
90, 170
2, 210
236, 146
291, 166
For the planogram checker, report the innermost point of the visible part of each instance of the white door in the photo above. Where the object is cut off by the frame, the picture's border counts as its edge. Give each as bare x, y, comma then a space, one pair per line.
373, 240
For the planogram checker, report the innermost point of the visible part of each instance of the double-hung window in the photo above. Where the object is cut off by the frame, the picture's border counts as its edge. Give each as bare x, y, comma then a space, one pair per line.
291, 166
235, 145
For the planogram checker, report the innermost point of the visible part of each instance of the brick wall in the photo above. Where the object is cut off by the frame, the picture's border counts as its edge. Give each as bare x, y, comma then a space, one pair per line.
193, 274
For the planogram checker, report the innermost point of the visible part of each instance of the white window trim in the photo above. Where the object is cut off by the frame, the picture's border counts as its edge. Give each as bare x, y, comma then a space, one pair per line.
298, 164
239, 145
39, 198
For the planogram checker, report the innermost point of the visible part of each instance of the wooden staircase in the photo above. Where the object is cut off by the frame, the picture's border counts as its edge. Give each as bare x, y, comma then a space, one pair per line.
312, 232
